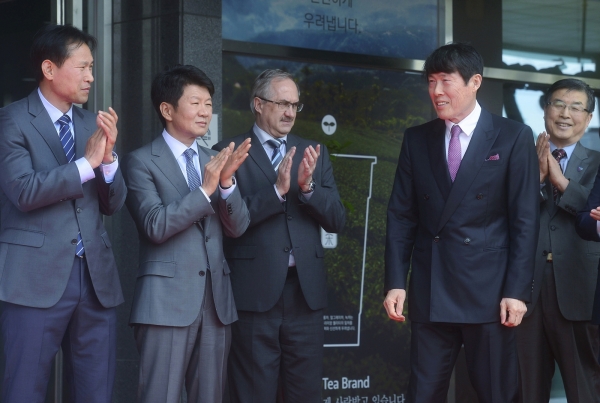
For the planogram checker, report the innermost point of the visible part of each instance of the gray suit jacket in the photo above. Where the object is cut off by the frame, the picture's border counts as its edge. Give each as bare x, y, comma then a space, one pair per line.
43, 203
175, 248
575, 261
259, 258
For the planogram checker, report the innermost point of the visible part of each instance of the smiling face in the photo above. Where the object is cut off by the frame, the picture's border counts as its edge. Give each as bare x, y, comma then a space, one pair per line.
269, 117
191, 118
70, 83
564, 126
452, 98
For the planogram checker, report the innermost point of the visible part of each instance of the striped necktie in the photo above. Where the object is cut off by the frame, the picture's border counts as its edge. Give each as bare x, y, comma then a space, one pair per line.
68, 144
194, 181
276, 157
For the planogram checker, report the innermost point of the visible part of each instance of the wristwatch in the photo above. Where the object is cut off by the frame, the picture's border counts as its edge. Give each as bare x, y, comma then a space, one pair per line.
311, 188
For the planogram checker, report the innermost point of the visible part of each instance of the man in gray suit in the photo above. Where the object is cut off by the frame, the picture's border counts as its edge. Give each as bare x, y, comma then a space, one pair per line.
277, 269
557, 324
183, 302
58, 277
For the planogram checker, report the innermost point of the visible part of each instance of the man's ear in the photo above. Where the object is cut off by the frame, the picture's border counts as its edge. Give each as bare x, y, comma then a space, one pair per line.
476, 80
166, 110
258, 105
48, 69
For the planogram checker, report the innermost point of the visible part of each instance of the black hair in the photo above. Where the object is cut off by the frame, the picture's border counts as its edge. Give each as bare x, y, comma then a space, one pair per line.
455, 57
572, 84
169, 85
55, 43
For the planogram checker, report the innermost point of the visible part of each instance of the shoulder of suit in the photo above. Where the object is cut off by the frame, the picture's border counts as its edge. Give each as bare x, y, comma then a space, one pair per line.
236, 139
207, 150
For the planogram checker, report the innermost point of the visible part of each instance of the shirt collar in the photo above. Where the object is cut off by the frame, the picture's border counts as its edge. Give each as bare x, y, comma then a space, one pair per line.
467, 125
176, 146
52, 110
263, 136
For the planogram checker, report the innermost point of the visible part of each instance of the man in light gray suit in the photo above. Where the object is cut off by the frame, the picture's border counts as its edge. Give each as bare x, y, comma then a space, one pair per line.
183, 302
58, 277
557, 324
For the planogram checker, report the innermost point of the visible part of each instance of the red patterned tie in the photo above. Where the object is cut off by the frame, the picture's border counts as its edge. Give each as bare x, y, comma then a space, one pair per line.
558, 155
454, 155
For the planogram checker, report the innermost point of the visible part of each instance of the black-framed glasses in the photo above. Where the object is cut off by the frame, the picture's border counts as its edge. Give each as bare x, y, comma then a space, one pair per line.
284, 105
560, 106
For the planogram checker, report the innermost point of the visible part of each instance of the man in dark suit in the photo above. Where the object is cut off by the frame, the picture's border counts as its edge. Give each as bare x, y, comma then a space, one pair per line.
277, 269
464, 215
183, 303
58, 277
557, 324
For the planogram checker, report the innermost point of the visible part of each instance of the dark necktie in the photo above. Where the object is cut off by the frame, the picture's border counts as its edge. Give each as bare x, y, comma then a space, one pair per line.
454, 155
68, 144
194, 181
558, 155
276, 157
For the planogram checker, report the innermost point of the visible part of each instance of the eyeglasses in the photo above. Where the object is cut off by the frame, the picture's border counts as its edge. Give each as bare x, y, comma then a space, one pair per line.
284, 105
560, 106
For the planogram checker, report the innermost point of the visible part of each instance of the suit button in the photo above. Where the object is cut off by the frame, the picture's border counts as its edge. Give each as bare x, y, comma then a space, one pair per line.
545, 253
73, 241
207, 238
436, 238
553, 227
79, 209
426, 197
467, 241
289, 218
286, 249
202, 273
480, 196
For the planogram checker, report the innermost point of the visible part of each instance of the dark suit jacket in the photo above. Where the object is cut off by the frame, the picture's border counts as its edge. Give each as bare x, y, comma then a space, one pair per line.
574, 260
43, 203
259, 258
586, 228
175, 250
472, 242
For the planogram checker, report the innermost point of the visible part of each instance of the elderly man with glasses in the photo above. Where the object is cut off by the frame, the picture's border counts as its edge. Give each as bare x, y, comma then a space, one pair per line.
557, 325
277, 269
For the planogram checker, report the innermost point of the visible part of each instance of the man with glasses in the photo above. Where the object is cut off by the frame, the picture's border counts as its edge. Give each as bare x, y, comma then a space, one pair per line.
557, 325
277, 269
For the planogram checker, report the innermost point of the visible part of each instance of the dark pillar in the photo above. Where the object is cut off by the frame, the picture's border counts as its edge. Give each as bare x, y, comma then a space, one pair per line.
149, 35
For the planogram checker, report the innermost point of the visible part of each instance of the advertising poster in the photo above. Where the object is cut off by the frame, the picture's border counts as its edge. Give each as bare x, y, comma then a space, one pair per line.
360, 115
398, 28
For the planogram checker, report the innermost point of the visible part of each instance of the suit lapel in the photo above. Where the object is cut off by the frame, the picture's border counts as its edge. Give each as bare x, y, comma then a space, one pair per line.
204, 158
166, 162
258, 155
436, 147
484, 137
82, 133
45, 127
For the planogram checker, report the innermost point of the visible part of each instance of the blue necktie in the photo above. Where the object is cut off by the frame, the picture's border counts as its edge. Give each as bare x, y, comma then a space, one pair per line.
192, 174
68, 144
276, 157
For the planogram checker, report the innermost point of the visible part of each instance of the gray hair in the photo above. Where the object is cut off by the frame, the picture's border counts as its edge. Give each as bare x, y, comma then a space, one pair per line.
262, 85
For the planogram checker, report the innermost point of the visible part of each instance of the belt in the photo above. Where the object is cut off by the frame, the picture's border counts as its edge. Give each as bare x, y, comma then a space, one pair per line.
549, 257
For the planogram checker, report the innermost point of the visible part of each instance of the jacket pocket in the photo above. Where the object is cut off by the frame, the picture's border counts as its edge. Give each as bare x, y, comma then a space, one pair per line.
23, 237
106, 239
154, 268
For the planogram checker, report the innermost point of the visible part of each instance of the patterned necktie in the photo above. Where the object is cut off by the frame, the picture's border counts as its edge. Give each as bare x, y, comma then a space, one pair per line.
454, 152
276, 157
68, 144
558, 155
194, 181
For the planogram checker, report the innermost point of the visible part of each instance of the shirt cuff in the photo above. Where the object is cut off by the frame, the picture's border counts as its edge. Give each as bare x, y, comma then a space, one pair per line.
598, 227
226, 192
110, 170
305, 196
281, 199
86, 172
